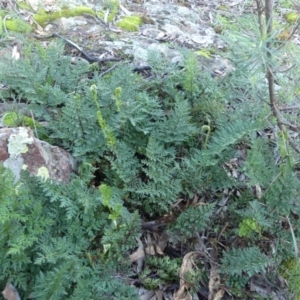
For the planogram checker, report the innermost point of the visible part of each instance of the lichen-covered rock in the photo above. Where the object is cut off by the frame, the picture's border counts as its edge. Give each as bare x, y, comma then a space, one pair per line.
19, 149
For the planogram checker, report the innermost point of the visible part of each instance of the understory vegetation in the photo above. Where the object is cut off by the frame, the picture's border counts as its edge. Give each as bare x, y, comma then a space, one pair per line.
213, 160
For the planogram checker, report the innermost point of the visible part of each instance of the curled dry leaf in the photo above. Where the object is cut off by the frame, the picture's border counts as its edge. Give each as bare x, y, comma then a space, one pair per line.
139, 256
214, 283
15, 55
219, 295
183, 294
150, 250
139, 253
10, 292
259, 284
215, 292
195, 200
187, 265
147, 295
258, 191
161, 242
159, 295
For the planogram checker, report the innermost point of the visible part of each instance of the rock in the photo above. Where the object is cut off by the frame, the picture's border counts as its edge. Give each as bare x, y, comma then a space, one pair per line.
19, 149
171, 25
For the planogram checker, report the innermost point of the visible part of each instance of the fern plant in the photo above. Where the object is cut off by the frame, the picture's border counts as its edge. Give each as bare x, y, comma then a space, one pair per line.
194, 219
50, 239
141, 145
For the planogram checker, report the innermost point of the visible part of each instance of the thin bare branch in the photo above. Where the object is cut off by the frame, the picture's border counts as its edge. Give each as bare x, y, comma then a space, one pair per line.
260, 10
270, 75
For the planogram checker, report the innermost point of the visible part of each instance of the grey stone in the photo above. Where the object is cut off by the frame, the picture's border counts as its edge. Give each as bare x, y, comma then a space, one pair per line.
19, 149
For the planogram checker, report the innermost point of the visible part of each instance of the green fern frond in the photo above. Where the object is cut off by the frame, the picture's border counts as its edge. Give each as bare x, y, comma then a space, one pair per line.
247, 261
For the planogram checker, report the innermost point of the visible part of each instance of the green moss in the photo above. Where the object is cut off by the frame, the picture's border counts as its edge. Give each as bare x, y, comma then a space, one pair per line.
112, 6
80, 10
292, 17
290, 271
13, 119
18, 25
203, 52
130, 23
42, 17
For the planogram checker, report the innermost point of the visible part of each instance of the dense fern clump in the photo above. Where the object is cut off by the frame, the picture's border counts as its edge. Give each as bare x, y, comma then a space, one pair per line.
51, 239
141, 145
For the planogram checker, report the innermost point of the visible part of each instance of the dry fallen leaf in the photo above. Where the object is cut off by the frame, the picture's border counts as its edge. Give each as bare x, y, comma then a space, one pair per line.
161, 242
150, 245
219, 295
258, 191
183, 294
159, 295
187, 265
139, 256
260, 285
147, 295
15, 55
10, 292
214, 283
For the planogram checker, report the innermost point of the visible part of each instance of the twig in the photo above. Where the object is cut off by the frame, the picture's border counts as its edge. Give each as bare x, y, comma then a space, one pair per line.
86, 55
4, 24
290, 107
260, 9
109, 70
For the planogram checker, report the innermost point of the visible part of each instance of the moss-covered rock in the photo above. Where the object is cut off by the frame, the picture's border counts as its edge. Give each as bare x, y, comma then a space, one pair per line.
43, 17
130, 23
